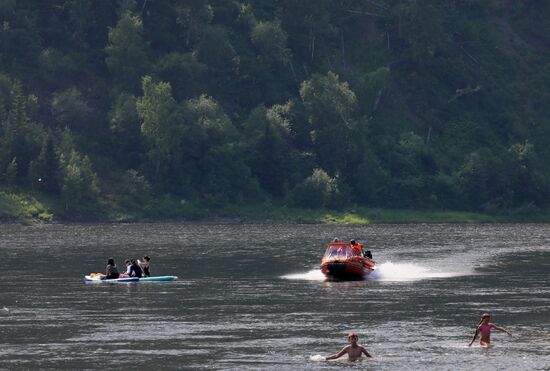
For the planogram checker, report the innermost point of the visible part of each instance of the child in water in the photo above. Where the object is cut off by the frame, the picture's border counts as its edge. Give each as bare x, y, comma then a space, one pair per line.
484, 327
353, 350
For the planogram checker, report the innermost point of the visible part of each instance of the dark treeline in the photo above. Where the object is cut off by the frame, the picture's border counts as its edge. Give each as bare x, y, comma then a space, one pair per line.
309, 103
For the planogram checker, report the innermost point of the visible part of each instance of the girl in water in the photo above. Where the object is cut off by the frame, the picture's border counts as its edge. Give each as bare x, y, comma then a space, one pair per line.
484, 327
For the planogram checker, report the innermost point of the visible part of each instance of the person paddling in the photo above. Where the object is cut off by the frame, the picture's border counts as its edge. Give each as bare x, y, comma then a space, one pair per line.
353, 350
484, 328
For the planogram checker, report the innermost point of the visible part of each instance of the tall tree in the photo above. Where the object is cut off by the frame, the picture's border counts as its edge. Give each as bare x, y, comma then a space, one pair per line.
159, 125
329, 105
127, 52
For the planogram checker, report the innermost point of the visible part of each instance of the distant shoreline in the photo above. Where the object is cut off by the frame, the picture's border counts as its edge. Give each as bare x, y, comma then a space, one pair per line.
26, 208
259, 215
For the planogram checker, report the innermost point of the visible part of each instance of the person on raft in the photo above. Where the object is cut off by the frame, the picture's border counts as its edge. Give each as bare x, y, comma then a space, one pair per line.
135, 269
128, 264
353, 350
484, 328
145, 266
111, 271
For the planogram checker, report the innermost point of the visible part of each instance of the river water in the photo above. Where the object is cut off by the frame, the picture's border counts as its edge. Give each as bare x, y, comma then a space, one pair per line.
251, 297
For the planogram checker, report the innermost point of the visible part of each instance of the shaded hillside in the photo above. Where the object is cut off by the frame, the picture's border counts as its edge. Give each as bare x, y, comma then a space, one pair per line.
392, 104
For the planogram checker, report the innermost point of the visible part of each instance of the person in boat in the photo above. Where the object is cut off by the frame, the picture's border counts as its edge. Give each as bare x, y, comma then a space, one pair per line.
366, 253
484, 328
359, 249
135, 269
111, 271
353, 350
356, 248
145, 265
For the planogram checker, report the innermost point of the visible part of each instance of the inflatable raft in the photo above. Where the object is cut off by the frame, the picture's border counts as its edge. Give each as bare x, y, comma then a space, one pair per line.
158, 278
96, 277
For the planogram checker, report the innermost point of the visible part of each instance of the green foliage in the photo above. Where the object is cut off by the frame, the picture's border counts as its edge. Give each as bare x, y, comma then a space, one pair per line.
218, 54
393, 104
134, 189
317, 191
11, 172
193, 16
79, 182
44, 171
53, 64
16, 206
156, 111
127, 57
329, 104
70, 109
184, 73
271, 42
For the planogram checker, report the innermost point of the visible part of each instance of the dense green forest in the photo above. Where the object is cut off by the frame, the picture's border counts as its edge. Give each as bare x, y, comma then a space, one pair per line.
144, 104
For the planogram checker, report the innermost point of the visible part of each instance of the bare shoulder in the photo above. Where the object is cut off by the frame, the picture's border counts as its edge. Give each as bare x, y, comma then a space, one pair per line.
345, 349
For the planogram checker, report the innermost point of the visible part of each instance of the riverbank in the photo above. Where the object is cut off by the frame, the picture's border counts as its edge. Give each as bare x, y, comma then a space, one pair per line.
36, 208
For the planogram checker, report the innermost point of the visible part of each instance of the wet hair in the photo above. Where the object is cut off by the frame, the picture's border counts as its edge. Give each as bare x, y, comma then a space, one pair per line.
483, 316
352, 335
111, 261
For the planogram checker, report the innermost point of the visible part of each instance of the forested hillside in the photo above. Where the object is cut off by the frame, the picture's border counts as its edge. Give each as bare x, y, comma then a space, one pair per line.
439, 104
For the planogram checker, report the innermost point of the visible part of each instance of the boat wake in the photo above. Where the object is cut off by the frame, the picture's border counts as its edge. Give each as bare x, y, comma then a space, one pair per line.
387, 272
407, 272
312, 275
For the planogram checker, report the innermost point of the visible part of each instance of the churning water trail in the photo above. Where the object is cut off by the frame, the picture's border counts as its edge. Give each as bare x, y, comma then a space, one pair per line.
389, 271
312, 275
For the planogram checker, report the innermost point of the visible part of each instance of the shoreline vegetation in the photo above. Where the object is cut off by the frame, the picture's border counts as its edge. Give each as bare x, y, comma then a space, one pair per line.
283, 112
27, 208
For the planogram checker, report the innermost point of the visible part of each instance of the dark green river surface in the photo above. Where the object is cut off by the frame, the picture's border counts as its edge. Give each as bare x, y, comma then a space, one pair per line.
251, 297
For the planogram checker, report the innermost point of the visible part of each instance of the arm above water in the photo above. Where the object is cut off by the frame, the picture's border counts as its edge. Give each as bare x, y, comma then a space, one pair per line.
501, 329
365, 352
474, 337
339, 354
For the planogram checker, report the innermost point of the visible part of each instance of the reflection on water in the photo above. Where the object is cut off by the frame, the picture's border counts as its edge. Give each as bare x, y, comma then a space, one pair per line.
253, 297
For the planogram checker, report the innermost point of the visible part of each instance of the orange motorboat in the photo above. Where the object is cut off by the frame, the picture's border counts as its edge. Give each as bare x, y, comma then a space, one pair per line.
342, 261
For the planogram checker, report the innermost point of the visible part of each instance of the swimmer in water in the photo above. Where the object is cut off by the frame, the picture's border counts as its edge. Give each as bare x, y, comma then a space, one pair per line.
484, 327
353, 350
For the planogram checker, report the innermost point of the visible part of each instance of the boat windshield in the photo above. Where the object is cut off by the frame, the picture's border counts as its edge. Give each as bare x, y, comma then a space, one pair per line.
338, 252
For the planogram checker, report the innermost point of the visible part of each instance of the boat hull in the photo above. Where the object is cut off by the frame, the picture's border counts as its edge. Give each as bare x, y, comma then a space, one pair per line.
346, 269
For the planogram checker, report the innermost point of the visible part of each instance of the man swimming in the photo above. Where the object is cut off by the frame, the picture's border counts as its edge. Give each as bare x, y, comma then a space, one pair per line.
354, 350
